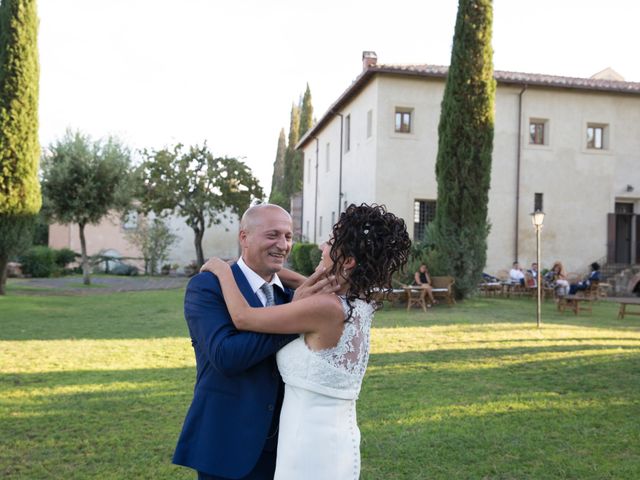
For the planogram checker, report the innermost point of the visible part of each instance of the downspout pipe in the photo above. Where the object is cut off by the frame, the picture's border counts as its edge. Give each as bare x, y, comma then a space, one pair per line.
315, 204
340, 167
518, 161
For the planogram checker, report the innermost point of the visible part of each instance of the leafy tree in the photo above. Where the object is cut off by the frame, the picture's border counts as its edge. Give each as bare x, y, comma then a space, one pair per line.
154, 239
197, 186
465, 143
20, 198
83, 180
277, 195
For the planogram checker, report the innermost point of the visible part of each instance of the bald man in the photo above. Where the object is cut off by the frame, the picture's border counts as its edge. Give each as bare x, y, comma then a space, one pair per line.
231, 428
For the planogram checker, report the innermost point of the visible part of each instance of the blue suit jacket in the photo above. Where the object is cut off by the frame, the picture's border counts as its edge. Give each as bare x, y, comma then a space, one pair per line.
238, 388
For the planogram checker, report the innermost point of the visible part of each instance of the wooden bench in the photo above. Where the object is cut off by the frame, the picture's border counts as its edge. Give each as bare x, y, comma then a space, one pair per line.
391, 295
573, 302
624, 302
491, 288
442, 287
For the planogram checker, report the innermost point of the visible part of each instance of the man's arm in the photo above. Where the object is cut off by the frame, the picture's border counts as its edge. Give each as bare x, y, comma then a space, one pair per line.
290, 279
228, 350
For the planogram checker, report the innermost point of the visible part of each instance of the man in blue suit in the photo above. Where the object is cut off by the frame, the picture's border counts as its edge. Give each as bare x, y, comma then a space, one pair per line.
230, 431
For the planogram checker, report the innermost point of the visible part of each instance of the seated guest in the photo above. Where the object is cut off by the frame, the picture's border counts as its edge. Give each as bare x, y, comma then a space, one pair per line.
594, 276
489, 278
516, 275
556, 278
423, 279
533, 272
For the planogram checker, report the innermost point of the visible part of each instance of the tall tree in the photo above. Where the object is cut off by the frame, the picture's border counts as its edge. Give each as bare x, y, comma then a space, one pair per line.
277, 194
82, 181
465, 143
20, 198
306, 113
306, 122
291, 155
197, 186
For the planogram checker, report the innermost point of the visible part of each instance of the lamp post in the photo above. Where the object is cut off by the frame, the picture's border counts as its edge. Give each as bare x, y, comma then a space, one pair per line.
537, 218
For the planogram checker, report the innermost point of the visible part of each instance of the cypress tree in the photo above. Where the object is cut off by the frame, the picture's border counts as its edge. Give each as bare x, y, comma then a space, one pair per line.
277, 180
306, 113
20, 198
291, 156
306, 122
465, 143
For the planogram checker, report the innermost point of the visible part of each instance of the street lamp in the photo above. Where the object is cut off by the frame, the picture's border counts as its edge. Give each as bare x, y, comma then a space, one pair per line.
537, 218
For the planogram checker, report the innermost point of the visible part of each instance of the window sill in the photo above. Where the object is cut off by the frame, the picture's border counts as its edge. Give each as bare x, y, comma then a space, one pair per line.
596, 151
535, 146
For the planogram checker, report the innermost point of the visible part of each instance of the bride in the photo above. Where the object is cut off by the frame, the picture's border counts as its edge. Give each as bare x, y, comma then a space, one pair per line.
323, 369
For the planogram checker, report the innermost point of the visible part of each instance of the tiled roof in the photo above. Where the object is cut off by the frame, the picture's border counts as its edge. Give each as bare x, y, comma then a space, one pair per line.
520, 78
502, 77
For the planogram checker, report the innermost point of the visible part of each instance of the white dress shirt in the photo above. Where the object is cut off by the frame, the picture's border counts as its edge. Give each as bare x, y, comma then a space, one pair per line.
256, 281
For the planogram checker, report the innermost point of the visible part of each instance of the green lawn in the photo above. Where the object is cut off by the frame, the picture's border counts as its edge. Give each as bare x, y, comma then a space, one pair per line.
96, 386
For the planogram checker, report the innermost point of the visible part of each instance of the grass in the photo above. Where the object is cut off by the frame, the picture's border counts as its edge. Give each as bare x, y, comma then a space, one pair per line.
96, 386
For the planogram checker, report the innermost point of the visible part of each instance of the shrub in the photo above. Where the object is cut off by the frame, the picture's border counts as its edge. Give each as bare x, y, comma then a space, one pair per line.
315, 255
301, 258
39, 262
64, 257
422, 252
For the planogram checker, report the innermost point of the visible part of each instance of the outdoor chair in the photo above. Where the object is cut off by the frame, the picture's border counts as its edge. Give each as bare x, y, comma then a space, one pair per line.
442, 287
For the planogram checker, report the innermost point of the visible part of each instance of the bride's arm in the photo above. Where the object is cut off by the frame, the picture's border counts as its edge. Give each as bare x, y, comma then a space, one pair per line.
303, 316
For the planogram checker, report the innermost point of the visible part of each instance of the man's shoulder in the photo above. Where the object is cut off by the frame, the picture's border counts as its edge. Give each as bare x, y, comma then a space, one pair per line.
203, 280
209, 280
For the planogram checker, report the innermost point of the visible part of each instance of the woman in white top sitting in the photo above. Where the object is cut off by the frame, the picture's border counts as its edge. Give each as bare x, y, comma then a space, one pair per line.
516, 275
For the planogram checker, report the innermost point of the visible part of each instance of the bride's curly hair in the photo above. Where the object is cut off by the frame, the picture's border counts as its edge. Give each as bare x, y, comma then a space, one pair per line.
379, 243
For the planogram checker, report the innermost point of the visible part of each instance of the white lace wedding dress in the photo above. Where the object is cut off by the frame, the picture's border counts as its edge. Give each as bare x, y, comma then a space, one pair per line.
319, 437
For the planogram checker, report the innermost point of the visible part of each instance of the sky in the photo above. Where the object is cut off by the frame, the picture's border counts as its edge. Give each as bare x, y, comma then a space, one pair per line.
159, 72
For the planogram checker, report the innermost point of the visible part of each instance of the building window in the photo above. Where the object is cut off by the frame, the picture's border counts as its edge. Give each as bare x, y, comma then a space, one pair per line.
308, 170
320, 227
307, 228
347, 133
424, 211
537, 132
369, 123
596, 136
328, 157
130, 220
403, 120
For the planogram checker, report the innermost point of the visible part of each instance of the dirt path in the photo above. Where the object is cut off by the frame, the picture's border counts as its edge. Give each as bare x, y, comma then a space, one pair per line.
99, 284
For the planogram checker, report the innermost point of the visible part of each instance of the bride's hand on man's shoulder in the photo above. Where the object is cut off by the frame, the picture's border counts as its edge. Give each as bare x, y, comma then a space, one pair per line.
214, 265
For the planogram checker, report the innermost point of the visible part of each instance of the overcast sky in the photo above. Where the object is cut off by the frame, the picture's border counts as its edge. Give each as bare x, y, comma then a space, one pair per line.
158, 72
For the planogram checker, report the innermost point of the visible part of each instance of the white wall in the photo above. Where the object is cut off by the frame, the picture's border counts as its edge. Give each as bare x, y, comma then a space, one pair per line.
580, 185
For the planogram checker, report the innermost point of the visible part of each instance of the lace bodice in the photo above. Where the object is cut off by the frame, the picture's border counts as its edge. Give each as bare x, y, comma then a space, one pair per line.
338, 371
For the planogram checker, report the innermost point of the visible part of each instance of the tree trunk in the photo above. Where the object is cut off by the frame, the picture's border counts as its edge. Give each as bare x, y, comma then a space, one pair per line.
198, 234
85, 260
4, 260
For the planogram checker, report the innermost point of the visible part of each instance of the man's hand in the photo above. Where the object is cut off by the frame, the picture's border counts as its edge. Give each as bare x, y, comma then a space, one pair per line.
318, 282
